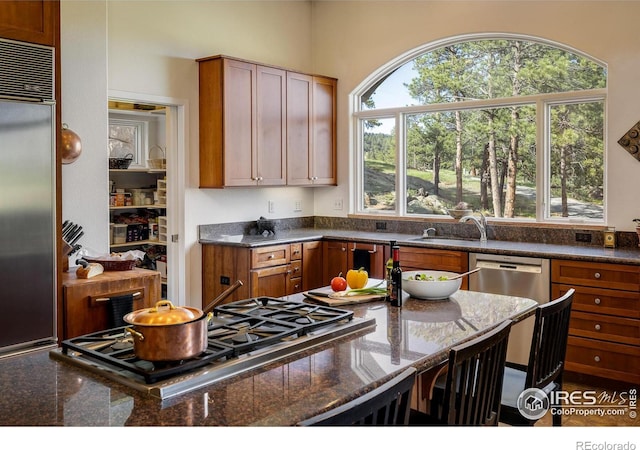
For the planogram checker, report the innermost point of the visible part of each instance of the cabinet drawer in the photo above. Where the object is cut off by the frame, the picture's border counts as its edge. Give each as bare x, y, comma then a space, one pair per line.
295, 269
609, 276
295, 286
603, 359
296, 251
601, 301
270, 256
603, 327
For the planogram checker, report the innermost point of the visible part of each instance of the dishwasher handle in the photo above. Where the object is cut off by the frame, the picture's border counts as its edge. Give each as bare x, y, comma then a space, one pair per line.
495, 265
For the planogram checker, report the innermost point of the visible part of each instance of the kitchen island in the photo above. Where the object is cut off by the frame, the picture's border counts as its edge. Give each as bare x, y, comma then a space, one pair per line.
38, 390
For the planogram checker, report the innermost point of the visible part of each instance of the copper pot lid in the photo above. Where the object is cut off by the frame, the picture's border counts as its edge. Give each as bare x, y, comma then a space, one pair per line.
163, 313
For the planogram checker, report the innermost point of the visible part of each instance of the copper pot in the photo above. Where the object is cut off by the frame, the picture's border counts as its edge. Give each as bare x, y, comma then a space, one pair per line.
71, 145
171, 333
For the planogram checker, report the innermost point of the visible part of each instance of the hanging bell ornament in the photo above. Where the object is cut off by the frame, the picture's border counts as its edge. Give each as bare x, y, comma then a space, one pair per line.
71, 145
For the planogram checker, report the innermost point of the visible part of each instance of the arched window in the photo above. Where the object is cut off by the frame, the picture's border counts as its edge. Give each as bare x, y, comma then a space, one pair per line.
511, 126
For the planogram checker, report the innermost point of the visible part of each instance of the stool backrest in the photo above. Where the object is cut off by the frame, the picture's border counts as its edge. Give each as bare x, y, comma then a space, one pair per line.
474, 379
549, 342
388, 404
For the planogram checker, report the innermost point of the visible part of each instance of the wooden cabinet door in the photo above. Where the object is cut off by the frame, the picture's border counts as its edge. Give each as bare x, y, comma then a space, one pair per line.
270, 120
222, 266
311, 130
270, 281
86, 302
239, 131
312, 266
414, 258
335, 260
299, 116
30, 21
323, 154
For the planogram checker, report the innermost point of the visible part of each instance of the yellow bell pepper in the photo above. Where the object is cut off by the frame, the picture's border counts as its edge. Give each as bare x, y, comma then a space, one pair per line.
357, 279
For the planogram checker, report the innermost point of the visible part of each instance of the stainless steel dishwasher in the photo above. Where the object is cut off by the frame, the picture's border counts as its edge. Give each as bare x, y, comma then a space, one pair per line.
516, 276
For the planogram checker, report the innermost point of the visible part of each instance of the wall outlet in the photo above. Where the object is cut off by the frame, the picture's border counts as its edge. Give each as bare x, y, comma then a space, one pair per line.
224, 280
583, 237
270, 206
297, 206
337, 203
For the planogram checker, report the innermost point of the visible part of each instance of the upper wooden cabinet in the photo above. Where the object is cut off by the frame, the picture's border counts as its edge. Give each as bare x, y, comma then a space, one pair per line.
264, 126
30, 21
242, 124
311, 124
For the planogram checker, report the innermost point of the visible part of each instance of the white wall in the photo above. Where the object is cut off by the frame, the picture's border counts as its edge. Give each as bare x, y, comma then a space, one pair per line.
152, 51
152, 47
83, 38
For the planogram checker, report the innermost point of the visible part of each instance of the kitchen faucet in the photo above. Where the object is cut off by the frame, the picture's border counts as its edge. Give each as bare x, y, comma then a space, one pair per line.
480, 223
425, 233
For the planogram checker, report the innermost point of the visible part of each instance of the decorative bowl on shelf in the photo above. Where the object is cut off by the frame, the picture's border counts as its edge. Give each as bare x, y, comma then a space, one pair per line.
429, 285
120, 163
459, 213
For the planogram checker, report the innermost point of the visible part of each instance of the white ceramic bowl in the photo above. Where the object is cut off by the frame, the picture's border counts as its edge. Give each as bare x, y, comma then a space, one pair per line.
430, 290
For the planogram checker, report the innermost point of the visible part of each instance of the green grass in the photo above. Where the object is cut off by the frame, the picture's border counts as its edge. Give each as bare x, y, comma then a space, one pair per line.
380, 185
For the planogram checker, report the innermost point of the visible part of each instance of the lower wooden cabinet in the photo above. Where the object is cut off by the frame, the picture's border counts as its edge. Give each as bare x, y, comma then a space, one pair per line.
86, 302
604, 329
270, 281
604, 359
312, 265
340, 256
415, 258
270, 271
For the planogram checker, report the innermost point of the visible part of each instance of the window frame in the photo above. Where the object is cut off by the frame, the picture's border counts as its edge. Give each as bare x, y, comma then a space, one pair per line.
542, 102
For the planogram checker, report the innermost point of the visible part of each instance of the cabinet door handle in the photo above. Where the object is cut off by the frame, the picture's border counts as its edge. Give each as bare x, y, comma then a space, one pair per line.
596, 359
597, 301
597, 327
597, 275
344, 249
354, 247
374, 249
271, 256
106, 299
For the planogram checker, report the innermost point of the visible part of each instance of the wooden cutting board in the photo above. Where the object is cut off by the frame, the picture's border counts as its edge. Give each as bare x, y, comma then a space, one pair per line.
326, 296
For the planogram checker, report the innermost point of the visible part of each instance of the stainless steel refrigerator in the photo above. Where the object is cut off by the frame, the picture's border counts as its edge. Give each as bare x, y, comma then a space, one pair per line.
27, 201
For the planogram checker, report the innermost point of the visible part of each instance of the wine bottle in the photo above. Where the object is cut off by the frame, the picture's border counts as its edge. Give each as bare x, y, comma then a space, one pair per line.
396, 278
388, 270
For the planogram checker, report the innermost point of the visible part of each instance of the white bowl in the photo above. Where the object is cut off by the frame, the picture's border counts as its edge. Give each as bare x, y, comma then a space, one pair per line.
431, 289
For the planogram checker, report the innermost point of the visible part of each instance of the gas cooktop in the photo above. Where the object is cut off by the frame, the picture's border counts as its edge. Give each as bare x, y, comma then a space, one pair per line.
242, 335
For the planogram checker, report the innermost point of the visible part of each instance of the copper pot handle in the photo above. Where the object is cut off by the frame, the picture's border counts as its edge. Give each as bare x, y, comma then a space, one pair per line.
222, 296
134, 333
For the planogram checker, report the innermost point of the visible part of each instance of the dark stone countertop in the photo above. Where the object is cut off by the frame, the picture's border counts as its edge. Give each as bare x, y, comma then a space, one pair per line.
38, 390
624, 255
